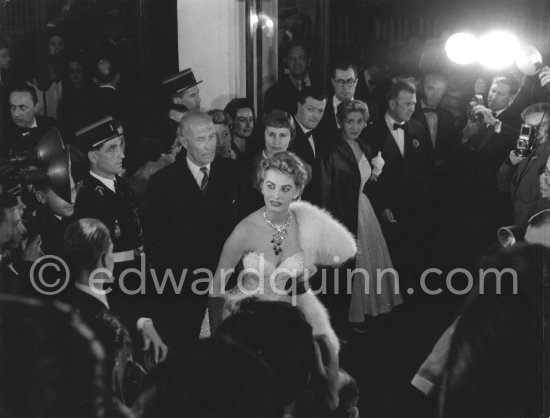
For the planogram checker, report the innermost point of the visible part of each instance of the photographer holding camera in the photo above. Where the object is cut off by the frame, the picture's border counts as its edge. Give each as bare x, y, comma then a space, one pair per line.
489, 136
519, 174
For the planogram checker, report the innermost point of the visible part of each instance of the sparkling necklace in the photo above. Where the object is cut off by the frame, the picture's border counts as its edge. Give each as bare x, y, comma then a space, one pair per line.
280, 234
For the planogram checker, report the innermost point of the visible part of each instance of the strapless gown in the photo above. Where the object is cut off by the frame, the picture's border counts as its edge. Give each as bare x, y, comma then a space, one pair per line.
260, 278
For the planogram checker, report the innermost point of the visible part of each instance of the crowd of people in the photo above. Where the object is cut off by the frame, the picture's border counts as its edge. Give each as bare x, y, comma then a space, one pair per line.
221, 268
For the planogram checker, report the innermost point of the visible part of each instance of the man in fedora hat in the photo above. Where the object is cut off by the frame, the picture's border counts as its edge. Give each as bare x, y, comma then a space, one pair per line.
519, 174
182, 89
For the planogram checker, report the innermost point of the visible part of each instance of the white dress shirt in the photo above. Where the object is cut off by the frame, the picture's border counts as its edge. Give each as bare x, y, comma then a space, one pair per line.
196, 171
109, 183
310, 138
431, 118
398, 134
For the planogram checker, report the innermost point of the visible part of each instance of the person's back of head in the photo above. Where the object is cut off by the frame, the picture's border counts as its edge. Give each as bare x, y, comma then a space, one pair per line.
50, 363
86, 242
211, 378
494, 367
280, 335
106, 72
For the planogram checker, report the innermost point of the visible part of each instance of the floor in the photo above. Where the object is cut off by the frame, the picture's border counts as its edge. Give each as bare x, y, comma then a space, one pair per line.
384, 359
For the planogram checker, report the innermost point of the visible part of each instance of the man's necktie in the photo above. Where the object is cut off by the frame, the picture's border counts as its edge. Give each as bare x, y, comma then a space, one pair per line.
204, 182
428, 109
397, 126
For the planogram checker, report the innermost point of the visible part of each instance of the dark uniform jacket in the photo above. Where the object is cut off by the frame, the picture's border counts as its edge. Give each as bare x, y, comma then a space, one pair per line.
118, 211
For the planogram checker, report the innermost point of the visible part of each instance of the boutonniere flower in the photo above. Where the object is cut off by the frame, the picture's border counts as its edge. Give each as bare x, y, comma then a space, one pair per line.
415, 143
99, 190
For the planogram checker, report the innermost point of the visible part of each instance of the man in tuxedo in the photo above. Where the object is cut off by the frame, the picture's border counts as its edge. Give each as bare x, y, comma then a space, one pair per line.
437, 121
309, 144
190, 210
485, 146
27, 127
405, 181
344, 82
285, 92
439, 124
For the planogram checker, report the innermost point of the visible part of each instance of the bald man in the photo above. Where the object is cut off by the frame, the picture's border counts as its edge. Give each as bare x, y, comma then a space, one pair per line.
190, 210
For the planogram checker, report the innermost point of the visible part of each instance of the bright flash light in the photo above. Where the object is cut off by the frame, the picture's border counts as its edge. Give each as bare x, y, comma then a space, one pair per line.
461, 48
498, 50
529, 60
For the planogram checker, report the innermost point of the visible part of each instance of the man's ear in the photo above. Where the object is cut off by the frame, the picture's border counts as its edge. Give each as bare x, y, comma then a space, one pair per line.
92, 157
103, 260
354, 412
391, 104
183, 142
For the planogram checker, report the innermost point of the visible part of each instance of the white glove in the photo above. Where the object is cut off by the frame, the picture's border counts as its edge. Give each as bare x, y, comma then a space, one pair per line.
377, 164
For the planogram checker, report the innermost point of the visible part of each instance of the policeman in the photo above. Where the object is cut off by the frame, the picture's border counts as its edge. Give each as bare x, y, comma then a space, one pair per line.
105, 196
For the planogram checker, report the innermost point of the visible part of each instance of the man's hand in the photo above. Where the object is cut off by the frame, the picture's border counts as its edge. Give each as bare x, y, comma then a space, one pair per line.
150, 336
32, 251
487, 114
387, 215
544, 76
480, 86
514, 158
326, 371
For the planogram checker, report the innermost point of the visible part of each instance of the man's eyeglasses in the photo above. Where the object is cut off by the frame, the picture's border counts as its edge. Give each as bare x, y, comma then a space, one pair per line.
348, 83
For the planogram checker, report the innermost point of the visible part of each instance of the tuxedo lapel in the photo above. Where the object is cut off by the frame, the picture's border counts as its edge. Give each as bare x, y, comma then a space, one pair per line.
392, 150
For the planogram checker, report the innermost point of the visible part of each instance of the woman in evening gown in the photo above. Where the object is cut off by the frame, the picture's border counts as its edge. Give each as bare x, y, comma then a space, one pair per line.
347, 176
280, 245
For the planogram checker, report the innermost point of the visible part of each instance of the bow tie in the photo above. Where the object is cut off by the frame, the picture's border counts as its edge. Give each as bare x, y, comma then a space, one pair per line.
27, 130
397, 126
308, 134
429, 109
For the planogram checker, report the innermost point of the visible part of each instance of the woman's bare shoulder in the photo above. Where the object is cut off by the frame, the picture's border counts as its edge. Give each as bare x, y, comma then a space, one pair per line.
249, 224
